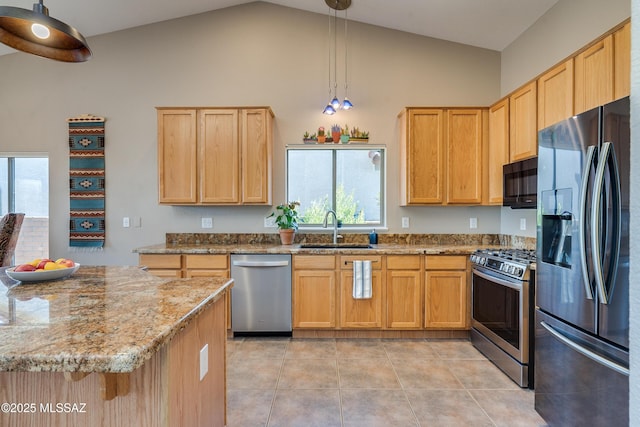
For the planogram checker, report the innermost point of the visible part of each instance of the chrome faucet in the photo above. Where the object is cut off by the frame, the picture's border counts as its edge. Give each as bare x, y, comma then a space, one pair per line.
335, 224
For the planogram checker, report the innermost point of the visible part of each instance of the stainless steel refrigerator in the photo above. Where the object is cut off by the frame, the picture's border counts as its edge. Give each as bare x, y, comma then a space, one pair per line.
582, 269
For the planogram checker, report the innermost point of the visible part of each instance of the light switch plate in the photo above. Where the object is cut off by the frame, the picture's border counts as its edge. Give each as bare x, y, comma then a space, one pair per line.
137, 221
523, 223
473, 222
405, 222
204, 361
125, 222
207, 222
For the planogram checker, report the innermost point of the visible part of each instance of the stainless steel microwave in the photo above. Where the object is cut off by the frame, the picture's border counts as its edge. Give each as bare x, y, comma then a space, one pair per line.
520, 184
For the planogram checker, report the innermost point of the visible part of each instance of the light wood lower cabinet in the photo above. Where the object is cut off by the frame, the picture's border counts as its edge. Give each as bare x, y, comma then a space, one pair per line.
360, 313
447, 292
314, 291
404, 292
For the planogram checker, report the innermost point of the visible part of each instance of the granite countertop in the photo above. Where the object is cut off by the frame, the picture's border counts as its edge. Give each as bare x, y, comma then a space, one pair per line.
101, 319
381, 249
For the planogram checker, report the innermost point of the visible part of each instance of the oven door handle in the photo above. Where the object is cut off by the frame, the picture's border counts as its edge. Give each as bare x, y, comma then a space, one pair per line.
514, 285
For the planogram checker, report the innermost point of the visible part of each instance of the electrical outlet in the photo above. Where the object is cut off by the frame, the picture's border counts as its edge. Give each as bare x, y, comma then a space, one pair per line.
125, 222
207, 222
270, 222
204, 361
405, 222
473, 222
523, 223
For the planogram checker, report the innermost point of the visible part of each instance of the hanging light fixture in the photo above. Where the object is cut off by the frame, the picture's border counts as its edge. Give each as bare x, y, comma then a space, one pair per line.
334, 104
346, 104
37, 33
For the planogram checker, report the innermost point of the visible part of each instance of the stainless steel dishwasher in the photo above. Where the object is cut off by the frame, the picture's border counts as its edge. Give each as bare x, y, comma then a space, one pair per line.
261, 294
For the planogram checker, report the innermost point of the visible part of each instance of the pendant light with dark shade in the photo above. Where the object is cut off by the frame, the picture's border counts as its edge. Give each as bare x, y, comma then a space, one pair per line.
37, 33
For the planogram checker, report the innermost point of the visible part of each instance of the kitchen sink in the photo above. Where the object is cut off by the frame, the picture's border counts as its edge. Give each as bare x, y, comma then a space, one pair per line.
335, 246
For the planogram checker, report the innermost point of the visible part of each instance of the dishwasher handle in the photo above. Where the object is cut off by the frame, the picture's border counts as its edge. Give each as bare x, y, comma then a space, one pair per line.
260, 263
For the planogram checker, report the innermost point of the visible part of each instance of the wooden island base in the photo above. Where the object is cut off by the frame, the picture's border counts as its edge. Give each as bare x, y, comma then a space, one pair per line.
165, 391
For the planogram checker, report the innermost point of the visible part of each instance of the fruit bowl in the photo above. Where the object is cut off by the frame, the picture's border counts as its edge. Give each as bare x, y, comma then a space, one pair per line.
41, 275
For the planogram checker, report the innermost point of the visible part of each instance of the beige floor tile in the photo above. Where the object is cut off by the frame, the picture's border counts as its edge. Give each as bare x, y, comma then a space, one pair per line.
243, 373
232, 346
425, 373
248, 408
360, 349
309, 374
480, 374
273, 348
373, 408
306, 408
509, 408
367, 373
311, 349
447, 408
456, 350
420, 349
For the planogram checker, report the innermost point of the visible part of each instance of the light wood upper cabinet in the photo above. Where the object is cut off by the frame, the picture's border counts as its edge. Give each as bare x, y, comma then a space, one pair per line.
441, 152
594, 75
523, 131
555, 95
622, 62
422, 156
464, 156
498, 149
177, 154
233, 162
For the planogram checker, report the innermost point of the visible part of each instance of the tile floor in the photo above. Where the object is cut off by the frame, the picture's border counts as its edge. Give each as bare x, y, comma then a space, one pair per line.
360, 382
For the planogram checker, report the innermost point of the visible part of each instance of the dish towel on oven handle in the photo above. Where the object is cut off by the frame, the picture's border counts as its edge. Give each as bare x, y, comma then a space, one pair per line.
362, 280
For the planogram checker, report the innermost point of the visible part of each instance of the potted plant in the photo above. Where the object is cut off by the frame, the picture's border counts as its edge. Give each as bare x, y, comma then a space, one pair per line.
287, 221
344, 136
335, 133
321, 135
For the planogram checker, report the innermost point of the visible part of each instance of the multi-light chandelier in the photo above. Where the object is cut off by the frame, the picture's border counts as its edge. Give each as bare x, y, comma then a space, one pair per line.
334, 105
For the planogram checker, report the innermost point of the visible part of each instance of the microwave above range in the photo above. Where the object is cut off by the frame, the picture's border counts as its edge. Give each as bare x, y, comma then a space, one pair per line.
520, 184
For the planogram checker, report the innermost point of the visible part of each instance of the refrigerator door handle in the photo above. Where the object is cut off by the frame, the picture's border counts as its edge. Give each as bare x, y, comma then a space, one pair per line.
606, 156
591, 151
584, 351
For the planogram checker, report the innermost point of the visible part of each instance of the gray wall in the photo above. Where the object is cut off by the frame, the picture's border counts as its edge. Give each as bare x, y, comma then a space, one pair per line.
254, 54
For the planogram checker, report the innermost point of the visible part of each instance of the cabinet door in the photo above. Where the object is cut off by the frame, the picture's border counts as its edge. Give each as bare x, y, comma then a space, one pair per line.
523, 132
594, 76
404, 302
219, 156
446, 299
555, 95
498, 149
464, 156
314, 299
161, 265
177, 156
422, 156
360, 313
256, 141
622, 62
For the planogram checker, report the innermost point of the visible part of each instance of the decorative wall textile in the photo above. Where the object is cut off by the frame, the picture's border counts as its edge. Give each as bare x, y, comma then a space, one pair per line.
86, 182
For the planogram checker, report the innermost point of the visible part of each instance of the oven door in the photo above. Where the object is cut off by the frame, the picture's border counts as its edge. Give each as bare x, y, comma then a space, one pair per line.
498, 305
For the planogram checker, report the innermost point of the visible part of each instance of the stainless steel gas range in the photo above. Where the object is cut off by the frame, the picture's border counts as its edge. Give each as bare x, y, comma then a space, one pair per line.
503, 310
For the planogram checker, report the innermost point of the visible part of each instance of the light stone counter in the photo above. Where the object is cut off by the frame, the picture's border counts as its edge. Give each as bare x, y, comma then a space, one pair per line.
101, 319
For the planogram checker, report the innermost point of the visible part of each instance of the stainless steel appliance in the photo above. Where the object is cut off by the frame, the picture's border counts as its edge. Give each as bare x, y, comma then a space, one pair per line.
502, 310
582, 292
520, 183
261, 294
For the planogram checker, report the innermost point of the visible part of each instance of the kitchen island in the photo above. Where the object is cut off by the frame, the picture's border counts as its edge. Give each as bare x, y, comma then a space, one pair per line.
113, 346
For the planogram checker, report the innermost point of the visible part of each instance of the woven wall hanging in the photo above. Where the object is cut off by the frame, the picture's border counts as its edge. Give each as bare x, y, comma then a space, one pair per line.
86, 182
